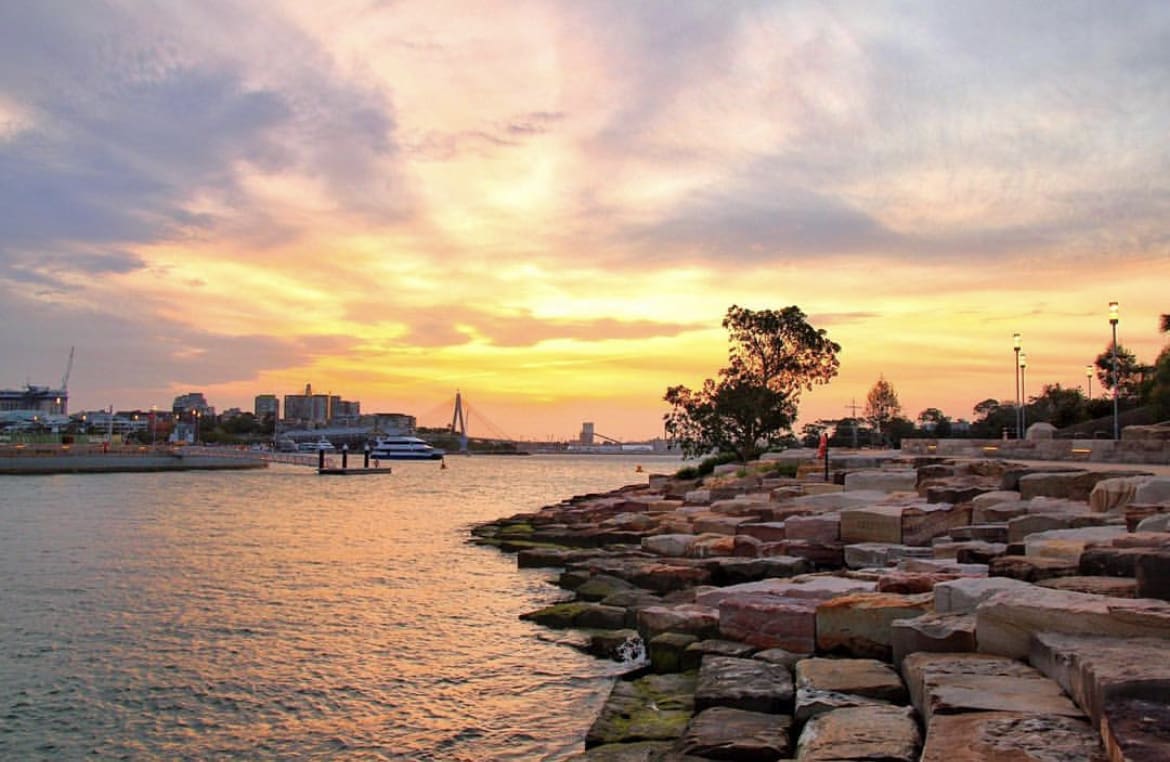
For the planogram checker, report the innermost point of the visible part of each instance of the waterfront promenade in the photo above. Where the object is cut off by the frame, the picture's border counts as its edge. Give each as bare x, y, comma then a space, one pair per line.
26, 460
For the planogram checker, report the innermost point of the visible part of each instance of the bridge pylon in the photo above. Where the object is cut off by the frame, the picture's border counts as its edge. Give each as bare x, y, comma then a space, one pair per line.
459, 422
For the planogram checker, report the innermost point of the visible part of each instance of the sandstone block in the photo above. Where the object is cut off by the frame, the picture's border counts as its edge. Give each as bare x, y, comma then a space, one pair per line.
1069, 543
689, 618
925, 671
653, 708
1110, 495
1122, 684
1115, 587
872, 732
728, 733
984, 736
666, 651
767, 621
749, 506
911, 583
997, 532
822, 555
1074, 485
1032, 568
835, 501
872, 523
861, 677
694, 653
859, 624
812, 586
810, 703
961, 596
922, 523
748, 684
766, 531
670, 545
734, 571
824, 527
717, 523
1154, 490
882, 480
1153, 575
1005, 623
932, 633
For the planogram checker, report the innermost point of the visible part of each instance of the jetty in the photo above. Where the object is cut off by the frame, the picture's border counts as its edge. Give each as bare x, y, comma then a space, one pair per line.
877, 606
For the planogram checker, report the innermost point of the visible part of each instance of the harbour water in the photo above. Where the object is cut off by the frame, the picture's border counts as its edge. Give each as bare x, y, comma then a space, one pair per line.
278, 614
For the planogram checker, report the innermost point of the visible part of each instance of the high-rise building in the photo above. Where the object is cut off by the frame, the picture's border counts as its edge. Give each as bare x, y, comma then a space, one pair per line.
191, 402
267, 405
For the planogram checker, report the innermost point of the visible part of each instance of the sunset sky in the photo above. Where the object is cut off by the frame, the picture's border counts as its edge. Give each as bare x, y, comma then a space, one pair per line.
550, 205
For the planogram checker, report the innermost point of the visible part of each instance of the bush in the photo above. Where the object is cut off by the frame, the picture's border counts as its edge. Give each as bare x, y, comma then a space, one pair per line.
707, 465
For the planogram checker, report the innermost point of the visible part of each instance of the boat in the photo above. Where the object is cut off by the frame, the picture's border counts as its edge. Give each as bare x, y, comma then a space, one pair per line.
321, 445
404, 448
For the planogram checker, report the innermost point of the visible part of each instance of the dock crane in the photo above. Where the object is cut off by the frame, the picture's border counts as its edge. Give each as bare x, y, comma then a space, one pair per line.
68, 370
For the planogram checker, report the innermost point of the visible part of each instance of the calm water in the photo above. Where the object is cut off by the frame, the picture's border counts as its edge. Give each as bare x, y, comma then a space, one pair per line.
278, 614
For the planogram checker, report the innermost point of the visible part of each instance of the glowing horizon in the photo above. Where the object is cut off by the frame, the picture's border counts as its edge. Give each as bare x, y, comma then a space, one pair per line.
550, 207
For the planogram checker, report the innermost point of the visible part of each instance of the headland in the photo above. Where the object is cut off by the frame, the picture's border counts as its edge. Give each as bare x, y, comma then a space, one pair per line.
905, 608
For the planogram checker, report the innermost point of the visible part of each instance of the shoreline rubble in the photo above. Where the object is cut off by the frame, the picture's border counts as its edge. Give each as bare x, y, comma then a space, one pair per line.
909, 608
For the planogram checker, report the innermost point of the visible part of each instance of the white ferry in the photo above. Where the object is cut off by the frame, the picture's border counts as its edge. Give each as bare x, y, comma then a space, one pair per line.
404, 448
321, 444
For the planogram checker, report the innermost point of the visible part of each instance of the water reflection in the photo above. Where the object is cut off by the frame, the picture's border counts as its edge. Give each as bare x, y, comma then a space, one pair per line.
276, 614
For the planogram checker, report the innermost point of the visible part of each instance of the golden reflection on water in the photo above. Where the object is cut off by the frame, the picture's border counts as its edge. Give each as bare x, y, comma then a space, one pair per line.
277, 614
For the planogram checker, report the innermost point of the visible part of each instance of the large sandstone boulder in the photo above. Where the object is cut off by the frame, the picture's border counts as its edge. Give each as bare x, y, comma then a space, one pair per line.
1155, 490
749, 684
859, 625
1005, 623
670, 545
963, 596
1115, 494
861, 677
876, 732
882, 480
1069, 543
723, 732
1122, 684
1075, 485
653, 708
1015, 736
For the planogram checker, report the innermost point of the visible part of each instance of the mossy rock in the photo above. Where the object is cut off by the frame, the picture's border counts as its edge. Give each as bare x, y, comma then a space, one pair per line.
652, 708
601, 586
522, 529
558, 616
667, 649
581, 614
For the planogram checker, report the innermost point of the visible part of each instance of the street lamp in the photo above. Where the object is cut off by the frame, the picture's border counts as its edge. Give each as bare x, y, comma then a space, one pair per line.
1089, 379
1113, 322
1023, 412
1016, 344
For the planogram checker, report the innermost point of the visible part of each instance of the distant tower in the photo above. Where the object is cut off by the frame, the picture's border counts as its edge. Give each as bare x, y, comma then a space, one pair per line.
458, 423
586, 435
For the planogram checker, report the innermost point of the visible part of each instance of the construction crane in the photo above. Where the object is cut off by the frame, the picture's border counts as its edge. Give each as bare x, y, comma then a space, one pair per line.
68, 370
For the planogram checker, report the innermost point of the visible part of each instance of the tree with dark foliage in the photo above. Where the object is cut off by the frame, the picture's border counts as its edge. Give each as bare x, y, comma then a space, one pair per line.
774, 356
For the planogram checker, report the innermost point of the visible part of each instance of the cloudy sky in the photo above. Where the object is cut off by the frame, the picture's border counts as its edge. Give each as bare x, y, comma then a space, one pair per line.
550, 205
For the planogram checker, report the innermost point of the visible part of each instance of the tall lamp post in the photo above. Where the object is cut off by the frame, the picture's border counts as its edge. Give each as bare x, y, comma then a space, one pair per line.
1089, 379
1016, 344
1113, 323
1023, 394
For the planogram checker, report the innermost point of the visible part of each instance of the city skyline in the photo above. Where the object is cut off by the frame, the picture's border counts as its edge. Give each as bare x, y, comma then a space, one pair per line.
551, 206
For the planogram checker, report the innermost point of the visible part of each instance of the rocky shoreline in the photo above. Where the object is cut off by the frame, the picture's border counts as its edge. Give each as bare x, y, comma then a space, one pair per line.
910, 608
